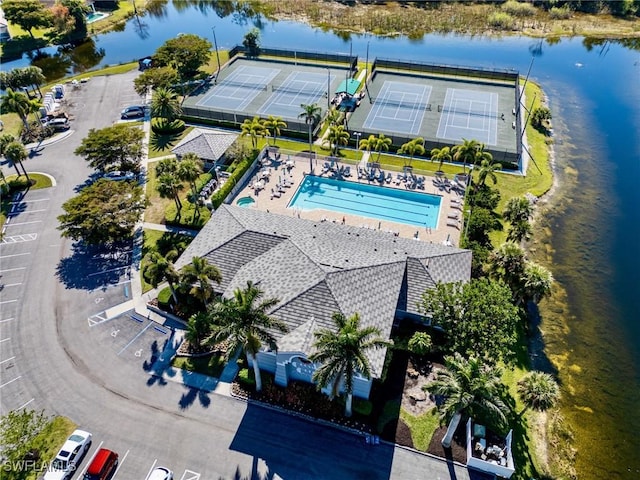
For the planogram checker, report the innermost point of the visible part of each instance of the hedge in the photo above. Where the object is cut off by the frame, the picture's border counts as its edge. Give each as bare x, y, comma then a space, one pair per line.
238, 171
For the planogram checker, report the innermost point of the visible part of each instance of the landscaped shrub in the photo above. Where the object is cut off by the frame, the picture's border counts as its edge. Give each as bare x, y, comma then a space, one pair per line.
501, 20
218, 197
519, 9
560, 13
164, 298
362, 407
161, 126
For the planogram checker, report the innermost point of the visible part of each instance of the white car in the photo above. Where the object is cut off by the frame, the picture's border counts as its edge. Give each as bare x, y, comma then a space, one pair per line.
69, 456
160, 473
118, 175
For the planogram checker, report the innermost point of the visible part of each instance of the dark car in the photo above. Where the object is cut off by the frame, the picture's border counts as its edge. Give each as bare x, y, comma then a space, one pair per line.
134, 111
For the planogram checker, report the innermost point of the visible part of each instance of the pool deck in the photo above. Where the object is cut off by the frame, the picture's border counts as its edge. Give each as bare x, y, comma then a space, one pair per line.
301, 167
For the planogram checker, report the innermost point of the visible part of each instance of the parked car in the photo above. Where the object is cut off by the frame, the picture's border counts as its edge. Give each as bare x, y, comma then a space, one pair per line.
69, 456
160, 473
118, 176
59, 124
133, 111
102, 465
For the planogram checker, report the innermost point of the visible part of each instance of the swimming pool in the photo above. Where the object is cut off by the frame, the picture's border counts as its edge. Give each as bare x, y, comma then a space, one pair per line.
245, 202
382, 203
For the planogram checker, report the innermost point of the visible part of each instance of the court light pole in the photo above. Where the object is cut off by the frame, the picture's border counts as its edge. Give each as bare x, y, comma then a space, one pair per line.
328, 89
215, 44
357, 135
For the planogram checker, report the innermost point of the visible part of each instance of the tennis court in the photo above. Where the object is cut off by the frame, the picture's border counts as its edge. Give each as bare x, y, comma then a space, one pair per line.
470, 114
239, 89
299, 88
399, 107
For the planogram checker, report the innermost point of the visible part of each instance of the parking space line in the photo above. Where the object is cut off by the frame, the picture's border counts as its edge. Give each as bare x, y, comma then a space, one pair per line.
7, 360
22, 223
107, 271
84, 469
152, 467
190, 475
5, 340
16, 255
29, 201
13, 269
12, 284
25, 404
27, 237
136, 337
7, 320
11, 381
120, 465
12, 215
8, 301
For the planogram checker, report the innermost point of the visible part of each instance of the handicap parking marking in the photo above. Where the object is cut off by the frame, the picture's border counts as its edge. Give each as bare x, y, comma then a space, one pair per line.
190, 475
136, 337
26, 237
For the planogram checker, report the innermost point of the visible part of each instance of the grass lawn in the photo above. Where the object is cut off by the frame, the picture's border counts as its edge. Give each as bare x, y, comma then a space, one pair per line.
157, 205
422, 427
211, 365
125, 11
161, 145
162, 242
50, 439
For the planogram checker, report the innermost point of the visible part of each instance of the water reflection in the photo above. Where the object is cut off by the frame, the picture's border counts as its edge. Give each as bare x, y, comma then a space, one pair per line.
69, 58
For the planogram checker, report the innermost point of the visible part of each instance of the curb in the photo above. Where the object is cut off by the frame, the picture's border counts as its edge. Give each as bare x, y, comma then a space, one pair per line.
50, 141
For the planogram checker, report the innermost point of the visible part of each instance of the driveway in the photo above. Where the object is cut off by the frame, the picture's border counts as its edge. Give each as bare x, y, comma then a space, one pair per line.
65, 359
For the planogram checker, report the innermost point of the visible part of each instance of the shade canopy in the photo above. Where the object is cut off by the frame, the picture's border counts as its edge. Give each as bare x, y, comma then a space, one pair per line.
349, 86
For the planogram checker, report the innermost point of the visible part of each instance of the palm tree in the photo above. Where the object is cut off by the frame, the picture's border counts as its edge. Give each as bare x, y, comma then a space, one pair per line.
158, 268
519, 231
466, 153
441, 155
342, 354
337, 136
412, 148
254, 128
537, 282
487, 170
382, 143
169, 186
243, 321
368, 143
167, 165
18, 103
6, 140
197, 277
334, 116
518, 209
15, 153
274, 124
538, 391
199, 328
165, 104
189, 170
507, 263
468, 386
311, 116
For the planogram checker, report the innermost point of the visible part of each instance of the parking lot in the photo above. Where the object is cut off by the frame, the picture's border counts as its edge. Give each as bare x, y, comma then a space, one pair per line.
21, 234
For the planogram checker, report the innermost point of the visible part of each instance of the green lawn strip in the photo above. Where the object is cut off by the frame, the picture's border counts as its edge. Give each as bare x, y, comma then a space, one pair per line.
211, 365
157, 206
389, 413
212, 65
50, 439
124, 11
162, 242
422, 427
167, 142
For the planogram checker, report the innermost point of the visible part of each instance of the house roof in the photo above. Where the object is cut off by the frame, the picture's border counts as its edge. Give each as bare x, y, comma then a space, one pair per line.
208, 144
318, 268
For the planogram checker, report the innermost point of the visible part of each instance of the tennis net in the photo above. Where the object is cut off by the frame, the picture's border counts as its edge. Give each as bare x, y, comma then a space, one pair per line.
409, 105
250, 86
308, 90
470, 113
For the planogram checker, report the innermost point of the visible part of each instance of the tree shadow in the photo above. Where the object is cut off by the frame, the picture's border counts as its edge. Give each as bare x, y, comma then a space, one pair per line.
191, 395
94, 267
159, 143
90, 180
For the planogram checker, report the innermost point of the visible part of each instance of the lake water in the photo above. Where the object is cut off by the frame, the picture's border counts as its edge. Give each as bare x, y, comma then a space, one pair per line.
591, 234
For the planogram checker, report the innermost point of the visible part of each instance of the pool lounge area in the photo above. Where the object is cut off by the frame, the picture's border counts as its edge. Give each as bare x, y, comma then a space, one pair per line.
286, 187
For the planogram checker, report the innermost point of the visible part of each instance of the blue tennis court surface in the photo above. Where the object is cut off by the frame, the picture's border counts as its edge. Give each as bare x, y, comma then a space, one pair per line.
370, 201
399, 107
469, 114
299, 88
239, 89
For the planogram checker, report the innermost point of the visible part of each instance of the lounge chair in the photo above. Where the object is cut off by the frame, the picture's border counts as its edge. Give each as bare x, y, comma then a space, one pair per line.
275, 193
389, 177
453, 216
399, 179
326, 167
381, 176
347, 171
453, 223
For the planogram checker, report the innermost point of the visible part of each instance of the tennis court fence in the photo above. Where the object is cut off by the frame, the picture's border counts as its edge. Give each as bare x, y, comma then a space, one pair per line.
235, 119
297, 55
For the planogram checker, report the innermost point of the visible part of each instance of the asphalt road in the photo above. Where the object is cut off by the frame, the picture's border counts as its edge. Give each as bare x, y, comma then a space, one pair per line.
57, 353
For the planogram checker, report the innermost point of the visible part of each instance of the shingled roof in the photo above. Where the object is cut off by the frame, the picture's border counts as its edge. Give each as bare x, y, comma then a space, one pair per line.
208, 144
318, 268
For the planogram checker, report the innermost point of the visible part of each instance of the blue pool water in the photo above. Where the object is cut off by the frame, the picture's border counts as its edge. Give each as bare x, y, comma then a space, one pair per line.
364, 200
245, 202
